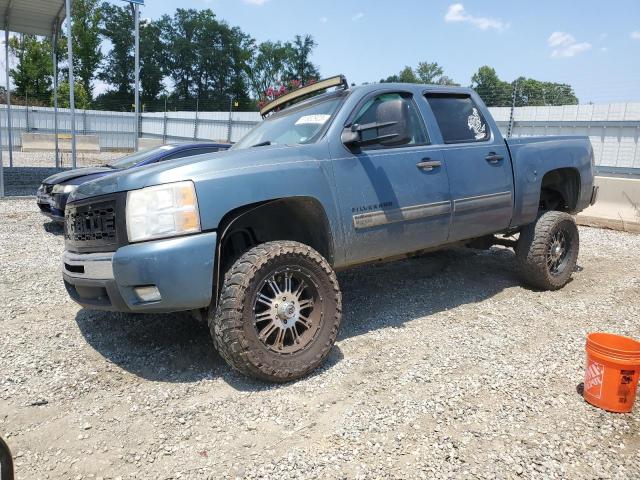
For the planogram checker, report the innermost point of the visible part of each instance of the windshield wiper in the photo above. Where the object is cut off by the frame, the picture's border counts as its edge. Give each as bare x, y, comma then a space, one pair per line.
261, 144
108, 166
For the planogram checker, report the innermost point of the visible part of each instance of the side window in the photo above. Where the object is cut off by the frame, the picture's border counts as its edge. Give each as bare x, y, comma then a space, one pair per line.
458, 117
399, 108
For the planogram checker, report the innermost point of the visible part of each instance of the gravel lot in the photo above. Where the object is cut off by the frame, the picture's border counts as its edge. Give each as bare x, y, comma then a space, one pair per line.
47, 159
445, 367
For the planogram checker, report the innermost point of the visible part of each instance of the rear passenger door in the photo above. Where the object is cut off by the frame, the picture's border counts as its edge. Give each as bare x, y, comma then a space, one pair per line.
478, 166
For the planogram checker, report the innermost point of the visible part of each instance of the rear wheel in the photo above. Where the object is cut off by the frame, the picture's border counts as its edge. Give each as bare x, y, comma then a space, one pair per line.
547, 251
279, 312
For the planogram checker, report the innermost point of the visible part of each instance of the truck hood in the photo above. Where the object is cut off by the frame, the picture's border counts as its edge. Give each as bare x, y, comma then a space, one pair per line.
196, 168
68, 175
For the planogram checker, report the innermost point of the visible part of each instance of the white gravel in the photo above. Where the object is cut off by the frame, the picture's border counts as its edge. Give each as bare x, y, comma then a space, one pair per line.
48, 159
446, 367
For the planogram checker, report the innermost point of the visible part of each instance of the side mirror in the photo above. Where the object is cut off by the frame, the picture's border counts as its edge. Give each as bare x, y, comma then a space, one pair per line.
352, 134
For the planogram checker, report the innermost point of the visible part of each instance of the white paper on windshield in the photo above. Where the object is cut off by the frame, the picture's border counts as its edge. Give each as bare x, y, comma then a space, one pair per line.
318, 119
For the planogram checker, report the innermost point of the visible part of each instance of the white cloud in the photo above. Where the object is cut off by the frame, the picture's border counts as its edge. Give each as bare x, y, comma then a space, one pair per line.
564, 45
457, 13
635, 35
357, 17
256, 2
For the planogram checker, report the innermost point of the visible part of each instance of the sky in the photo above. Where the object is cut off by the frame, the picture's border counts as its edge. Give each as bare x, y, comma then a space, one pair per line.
591, 44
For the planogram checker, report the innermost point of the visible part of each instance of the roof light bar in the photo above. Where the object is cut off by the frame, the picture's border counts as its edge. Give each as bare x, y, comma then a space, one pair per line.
290, 97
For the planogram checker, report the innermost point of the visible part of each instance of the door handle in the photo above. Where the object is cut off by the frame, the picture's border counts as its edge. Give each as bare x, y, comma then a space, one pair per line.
493, 157
428, 165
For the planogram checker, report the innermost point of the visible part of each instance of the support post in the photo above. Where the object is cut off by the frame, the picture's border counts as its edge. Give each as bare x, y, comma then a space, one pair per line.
136, 20
9, 122
1, 168
195, 126
164, 123
54, 60
513, 110
72, 103
230, 118
26, 110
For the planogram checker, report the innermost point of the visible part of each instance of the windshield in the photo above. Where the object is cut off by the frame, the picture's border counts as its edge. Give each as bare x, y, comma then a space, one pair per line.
292, 127
137, 157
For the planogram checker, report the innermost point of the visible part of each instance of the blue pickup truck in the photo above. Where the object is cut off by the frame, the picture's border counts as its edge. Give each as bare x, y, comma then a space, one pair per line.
333, 177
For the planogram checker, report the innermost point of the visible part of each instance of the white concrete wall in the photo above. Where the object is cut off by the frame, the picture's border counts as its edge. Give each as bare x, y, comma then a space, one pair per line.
617, 206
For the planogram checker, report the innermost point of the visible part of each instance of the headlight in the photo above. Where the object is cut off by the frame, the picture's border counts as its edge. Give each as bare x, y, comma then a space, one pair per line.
62, 188
162, 211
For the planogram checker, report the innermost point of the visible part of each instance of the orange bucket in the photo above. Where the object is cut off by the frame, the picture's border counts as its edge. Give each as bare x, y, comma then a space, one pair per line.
612, 371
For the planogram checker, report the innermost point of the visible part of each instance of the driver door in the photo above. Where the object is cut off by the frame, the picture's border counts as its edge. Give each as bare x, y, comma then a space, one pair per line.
394, 195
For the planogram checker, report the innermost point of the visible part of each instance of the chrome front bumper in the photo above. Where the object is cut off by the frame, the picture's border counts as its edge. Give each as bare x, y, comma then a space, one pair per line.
92, 266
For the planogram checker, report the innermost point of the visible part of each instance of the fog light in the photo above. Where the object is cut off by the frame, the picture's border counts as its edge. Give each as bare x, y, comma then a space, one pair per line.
149, 293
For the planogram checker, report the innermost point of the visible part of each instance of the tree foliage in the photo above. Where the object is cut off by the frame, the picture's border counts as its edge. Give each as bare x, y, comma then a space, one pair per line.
275, 64
493, 91
117, 28
266, 68
151, 62
33, 76
528, 92
204, 57
81, 95
85, 34
299, 66
425, 72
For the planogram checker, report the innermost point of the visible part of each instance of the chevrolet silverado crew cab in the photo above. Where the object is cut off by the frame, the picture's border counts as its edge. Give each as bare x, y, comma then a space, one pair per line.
333, 177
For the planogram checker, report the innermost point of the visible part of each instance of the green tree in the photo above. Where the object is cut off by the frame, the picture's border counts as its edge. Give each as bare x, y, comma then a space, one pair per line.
85, 30
204, 57
407, 75
299, 65
151, 62
493, 91
426, 72
117, 68
432, 73
530, 92
81, 95
266, 67
33, 76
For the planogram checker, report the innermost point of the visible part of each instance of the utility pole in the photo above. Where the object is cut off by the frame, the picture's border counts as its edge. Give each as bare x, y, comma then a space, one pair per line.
72, 101
54, 61
513, 110
195, 125
230, 118
137, 68
8, 93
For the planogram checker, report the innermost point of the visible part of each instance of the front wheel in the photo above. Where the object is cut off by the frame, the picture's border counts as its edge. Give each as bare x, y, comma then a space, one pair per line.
547, 251
279, 312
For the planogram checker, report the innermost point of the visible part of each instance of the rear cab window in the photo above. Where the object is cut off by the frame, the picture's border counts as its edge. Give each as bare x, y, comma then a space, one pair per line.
458, 117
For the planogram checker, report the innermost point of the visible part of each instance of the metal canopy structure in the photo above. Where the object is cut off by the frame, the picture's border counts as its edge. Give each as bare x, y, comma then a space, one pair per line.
36, 17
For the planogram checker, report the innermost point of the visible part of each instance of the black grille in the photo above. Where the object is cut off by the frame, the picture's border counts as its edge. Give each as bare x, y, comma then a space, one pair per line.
91, 227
